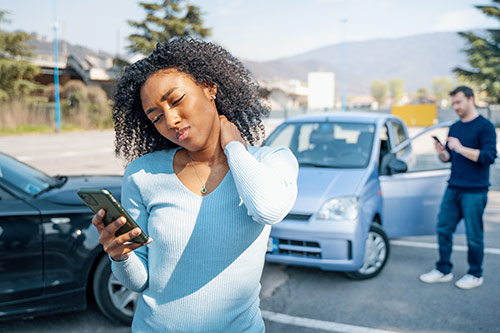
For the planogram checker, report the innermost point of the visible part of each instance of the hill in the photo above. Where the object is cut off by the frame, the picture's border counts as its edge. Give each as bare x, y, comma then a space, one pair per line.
415, 59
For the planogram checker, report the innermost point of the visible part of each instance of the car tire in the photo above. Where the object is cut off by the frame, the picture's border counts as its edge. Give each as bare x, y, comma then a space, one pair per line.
377, 251
115, 301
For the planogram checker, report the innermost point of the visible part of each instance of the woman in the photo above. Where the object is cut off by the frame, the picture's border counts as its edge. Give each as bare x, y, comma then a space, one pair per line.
186, 117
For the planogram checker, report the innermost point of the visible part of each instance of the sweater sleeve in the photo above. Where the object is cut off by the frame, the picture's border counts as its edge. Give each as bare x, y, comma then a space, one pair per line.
488, 145
133, 272
268, 188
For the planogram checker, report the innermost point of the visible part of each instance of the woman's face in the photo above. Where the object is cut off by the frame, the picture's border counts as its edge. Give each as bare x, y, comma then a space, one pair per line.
181, 110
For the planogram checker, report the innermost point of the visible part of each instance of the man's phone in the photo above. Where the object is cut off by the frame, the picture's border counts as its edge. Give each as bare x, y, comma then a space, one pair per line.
97, 198
436, 139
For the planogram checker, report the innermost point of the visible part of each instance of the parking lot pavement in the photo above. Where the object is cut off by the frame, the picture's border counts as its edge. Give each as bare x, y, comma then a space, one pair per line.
68, 153
73, 153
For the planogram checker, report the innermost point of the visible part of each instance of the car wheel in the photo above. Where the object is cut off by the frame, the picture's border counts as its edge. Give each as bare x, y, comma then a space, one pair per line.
115, 301
377, 250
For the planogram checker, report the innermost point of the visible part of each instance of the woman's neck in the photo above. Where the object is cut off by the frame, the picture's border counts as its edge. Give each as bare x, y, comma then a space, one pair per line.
211, 155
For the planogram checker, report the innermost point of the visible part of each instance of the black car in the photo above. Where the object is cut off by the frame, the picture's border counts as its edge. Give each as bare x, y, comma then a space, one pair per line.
51, 260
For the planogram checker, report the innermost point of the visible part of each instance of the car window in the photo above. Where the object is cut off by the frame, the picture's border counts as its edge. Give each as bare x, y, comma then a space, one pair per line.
425, 156
385, 143
19, 175
384, 137
304, 134
399, 134
285, 139
327, 144
5, 195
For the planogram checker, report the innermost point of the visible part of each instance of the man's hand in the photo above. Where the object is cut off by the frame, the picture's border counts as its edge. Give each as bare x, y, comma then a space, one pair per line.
470, 153
454, 144
229, 132
439, 147
443, 154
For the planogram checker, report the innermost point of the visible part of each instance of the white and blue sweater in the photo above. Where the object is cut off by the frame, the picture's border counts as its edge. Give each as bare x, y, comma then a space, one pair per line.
202, 271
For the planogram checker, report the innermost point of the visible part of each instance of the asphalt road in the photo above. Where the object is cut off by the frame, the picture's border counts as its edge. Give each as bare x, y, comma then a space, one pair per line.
295, 299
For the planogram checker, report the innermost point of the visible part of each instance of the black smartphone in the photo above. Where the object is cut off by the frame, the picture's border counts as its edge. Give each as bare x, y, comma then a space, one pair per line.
436, 139
97, 198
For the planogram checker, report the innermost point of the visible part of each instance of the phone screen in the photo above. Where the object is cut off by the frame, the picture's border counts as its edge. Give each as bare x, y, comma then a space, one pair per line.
97, 198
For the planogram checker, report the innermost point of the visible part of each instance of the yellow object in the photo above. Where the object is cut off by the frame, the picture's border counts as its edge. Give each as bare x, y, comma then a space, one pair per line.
416, 114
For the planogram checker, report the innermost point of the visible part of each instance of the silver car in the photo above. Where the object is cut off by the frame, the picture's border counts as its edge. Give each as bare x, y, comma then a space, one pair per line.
361, 181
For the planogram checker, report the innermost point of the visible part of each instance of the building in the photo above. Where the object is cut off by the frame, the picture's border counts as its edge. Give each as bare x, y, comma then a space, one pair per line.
321, 90
284, 94
74, 63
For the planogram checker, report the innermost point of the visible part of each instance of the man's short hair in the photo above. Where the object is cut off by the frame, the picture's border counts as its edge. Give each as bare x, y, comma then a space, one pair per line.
468, 92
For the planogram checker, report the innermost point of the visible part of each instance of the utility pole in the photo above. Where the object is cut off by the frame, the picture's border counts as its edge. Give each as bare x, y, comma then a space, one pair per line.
56, 74
343, 83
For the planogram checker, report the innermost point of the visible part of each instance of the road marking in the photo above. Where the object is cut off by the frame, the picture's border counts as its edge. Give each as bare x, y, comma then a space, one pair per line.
425, 245
329, 326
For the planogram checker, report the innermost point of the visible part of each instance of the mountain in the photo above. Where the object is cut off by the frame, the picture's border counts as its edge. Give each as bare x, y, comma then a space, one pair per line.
44, 46
415, 59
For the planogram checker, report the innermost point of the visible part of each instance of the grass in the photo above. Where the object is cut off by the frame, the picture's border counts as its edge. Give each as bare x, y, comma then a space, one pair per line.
20, 117
25, 129
40, 129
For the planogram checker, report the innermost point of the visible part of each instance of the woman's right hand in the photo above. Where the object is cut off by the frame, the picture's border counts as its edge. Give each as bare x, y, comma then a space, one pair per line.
118, 247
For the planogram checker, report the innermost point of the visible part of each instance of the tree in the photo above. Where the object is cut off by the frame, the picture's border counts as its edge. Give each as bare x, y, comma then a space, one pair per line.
396, 89
163, 21
422, 95
441, 87
379, 91
16, 74
484, 57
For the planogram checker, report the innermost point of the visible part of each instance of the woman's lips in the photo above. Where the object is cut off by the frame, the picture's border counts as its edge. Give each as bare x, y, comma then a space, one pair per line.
182, 134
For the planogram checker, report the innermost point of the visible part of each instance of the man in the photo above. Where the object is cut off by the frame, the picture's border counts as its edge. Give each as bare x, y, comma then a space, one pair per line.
471, 148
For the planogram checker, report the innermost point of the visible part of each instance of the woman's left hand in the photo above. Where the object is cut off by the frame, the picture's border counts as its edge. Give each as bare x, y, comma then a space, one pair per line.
229, 132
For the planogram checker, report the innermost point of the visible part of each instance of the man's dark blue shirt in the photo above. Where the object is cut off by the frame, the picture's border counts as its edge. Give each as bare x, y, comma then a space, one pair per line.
466, 175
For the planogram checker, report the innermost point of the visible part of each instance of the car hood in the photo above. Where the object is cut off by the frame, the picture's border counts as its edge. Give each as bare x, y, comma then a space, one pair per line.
316, 185
66, 195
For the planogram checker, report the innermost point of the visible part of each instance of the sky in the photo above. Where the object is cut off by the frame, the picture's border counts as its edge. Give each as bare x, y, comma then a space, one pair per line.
252, 29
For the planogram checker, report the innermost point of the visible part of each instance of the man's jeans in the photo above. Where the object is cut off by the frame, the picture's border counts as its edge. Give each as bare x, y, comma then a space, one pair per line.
457, 205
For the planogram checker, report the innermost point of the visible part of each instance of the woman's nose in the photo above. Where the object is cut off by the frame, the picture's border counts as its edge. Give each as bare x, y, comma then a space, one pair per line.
173, 118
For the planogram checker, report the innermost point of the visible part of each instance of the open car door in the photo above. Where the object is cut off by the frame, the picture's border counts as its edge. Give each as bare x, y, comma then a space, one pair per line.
412, 198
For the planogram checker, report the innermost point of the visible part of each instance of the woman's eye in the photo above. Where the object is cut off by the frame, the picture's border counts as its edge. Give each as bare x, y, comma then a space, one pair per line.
178, 100
157, 118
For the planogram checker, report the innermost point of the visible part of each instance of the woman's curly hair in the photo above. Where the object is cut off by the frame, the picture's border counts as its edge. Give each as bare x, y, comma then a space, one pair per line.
208, 64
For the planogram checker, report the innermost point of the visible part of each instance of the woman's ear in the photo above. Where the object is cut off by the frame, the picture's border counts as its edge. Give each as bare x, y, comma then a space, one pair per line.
213, 91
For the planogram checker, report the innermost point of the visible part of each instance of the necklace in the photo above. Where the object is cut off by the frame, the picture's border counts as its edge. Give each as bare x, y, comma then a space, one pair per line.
203, 186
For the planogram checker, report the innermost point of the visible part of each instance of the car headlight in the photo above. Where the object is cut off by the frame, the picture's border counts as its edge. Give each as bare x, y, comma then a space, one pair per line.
343, 208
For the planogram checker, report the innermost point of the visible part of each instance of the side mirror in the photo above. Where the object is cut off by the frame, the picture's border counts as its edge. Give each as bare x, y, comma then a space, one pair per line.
397, 166
390, 165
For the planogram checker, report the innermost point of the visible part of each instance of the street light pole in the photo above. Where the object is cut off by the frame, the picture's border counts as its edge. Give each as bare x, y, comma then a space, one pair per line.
56, 74
343, 83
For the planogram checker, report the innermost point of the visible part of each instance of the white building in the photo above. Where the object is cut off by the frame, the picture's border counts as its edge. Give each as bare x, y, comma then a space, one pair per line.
284, 94
321, 93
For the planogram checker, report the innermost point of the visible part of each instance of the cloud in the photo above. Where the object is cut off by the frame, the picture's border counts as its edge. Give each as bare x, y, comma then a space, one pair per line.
463, 20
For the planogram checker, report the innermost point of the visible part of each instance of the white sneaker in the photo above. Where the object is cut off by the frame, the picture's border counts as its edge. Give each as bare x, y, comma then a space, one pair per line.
469, 281
435, 276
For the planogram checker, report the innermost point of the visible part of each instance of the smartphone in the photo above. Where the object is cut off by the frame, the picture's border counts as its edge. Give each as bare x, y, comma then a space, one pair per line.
97, 198
436, 139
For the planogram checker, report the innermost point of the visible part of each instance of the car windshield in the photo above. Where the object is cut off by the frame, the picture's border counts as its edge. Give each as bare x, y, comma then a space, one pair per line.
326, 144
24, 177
